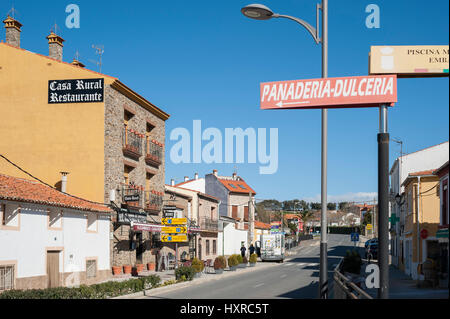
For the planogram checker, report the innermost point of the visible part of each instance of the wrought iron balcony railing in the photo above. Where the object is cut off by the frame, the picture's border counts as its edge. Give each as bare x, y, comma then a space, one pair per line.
154, 152
132, 195
209, 224
153, 202
132, 143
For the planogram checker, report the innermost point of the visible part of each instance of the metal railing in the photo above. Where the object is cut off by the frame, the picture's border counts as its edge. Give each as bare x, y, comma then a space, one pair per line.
154, 150
346, 289
153, 201
209, 224
132, 140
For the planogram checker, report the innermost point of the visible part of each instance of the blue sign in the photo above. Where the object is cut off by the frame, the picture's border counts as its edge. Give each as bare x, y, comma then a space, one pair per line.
355, 236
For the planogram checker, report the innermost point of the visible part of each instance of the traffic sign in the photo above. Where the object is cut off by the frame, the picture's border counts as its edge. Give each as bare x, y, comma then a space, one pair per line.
174, 238
174, 221
174, 230
355, 236
356, 91
369, 226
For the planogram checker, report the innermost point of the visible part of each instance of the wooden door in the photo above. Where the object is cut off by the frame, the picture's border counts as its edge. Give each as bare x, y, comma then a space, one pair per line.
234, 211
53, 269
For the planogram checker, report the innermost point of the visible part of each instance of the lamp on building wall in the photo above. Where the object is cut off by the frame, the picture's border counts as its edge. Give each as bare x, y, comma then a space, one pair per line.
399, 200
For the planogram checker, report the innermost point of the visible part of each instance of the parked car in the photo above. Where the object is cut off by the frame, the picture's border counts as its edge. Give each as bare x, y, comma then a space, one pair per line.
373, 240
372, 249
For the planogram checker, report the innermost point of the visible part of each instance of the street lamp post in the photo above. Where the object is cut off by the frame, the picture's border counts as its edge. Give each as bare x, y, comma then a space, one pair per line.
261, 12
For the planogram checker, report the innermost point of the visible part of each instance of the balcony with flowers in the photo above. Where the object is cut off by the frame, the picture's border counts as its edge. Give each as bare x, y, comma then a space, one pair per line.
154, 152
153, 202
132, 143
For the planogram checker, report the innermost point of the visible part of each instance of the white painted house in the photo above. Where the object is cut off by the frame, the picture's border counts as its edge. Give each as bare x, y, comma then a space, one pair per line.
422, 160
49, 238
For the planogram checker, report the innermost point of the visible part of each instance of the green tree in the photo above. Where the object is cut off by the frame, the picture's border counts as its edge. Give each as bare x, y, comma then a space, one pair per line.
331, 206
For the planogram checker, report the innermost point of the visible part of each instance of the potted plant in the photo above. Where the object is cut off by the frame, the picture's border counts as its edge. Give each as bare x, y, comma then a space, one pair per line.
117, 270
127, 269
198, 266
253, 260
232, 262
151, 266
219, 264
240, 261
244, 262
139, 268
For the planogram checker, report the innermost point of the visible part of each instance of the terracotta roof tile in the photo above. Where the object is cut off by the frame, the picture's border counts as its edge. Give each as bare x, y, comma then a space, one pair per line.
239, 186
18, 189
261, 225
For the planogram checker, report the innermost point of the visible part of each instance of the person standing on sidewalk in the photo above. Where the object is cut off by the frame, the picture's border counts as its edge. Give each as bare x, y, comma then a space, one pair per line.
251, 249
243, 249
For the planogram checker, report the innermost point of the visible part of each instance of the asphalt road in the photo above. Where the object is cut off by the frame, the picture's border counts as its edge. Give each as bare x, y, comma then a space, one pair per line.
296, 278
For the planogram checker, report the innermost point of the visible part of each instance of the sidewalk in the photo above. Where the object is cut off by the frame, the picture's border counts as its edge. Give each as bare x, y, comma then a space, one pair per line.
402, 286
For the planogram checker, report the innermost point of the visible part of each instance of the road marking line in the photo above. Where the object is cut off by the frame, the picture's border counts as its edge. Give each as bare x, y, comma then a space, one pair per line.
283, 276
259, 285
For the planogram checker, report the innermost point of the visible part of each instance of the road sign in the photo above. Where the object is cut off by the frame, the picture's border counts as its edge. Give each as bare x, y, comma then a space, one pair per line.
174, 221
174, 230
357, 91
369, 226
354, 236
174, 238
424, 234
409, 61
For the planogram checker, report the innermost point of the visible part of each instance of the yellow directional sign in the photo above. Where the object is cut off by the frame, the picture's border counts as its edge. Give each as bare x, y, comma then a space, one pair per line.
174, 238
369, 226
174, 221
174, 230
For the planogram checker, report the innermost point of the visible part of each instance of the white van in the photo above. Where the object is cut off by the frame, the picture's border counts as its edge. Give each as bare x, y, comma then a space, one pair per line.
272, 247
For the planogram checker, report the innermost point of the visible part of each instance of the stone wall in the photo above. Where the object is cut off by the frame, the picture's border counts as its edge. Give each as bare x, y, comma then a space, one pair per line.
13, 37
115, 105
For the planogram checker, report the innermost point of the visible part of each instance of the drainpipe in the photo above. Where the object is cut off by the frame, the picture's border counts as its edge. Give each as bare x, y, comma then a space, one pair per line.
418, 224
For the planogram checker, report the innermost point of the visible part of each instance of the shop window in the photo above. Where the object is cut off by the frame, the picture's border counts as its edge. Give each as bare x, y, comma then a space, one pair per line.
91, 268
6, 277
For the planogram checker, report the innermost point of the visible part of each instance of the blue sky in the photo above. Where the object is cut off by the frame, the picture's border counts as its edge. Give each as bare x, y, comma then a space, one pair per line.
204, 60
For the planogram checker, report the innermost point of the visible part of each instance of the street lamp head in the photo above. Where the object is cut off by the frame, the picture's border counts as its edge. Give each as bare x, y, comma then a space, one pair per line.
398, 199
257, 11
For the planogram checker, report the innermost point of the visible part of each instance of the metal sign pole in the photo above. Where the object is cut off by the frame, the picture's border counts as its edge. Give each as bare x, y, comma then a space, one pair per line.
323, 234
383, 204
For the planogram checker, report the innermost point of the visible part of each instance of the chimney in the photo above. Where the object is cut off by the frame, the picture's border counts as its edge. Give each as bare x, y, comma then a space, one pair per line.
78, 63
64, 182
186, 178
196, 176
55, 46
234, 176
172, 182
215, 172
12, 27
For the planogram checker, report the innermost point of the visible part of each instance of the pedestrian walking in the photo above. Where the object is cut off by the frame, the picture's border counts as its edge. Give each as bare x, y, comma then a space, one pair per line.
243, 250
251, 249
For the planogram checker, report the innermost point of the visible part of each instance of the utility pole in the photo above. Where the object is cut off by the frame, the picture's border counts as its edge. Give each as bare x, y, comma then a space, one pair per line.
251, 219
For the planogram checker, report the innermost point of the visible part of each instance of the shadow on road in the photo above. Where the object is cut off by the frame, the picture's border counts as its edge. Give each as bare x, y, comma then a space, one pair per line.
307, 292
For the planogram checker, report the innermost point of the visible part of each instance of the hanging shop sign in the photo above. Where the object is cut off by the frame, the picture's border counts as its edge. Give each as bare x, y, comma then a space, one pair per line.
75, 91
147, 227
409, 61
125, 216
358, 91
132, 198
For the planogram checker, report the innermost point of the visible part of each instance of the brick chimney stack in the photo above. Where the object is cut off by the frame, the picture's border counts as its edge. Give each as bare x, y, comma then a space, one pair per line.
12, 27
55, 45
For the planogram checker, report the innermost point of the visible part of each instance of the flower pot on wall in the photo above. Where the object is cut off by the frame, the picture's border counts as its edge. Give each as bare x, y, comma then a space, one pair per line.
139, 268
116, 270
151, 266
127, 269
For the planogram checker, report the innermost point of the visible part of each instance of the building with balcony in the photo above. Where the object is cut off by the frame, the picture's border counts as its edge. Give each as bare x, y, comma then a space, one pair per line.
201, 210
61, 117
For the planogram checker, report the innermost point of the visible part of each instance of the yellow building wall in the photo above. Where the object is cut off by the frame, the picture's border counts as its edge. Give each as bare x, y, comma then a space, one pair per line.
43, 138
429, 212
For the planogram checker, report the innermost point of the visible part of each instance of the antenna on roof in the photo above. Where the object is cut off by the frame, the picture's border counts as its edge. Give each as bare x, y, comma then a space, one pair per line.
55, 29
77, 56
99, 50
13, 12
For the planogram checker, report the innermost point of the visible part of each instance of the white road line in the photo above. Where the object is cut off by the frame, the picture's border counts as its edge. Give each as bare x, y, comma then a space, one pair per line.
283, 276
258, 285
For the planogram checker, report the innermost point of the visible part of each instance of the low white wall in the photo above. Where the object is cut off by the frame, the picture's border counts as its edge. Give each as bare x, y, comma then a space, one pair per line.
229, 241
